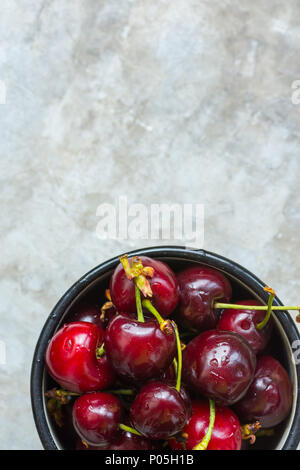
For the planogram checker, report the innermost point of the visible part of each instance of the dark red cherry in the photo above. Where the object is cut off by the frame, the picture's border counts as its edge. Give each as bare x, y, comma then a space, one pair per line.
199, 288
169, 375
170, 378
183, 393
158, 411
92, 313
71, 358
269, 397
186, 398
96, 418
226, 434
244, 322
129, 441
125, 440
219, 365
89, 313
164, 286
138, 351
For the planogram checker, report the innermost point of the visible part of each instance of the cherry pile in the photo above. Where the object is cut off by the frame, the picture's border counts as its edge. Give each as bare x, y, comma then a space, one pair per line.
167, 362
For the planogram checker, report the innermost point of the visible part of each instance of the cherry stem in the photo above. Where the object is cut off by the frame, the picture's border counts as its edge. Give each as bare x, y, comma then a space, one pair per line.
139, 273
249, 431
165, 325
122, 391
175, 364
212, 415
100, 351
179, 352
60, 392
129, 429
60, 395
126, 265
220, 305
138, 303
263, 323
265, 432
148, 305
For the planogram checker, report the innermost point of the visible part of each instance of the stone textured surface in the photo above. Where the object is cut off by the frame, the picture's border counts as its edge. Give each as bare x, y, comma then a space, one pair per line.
180, 101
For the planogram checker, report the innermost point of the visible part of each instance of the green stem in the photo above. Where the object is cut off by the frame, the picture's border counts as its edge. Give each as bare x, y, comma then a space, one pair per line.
100, 351
148, 305
175, 365
253, 307
265, 432
129, 429
179, 361
60, 395
138, 303
212, 415
263, 323
121, 391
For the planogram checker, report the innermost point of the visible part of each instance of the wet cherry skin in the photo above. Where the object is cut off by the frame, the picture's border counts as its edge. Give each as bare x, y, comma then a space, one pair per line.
244, 323
158, 411
96, 418
199, 288
165, 294
226, 433
71, 358
169, 377
186, 398
269, 397
138, 351
183, 393
219, 365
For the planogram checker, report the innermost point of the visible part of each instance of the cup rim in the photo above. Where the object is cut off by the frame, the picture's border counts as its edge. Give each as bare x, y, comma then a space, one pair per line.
179, 252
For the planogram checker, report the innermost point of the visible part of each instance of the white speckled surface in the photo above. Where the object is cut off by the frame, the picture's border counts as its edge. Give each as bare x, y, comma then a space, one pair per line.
180, 101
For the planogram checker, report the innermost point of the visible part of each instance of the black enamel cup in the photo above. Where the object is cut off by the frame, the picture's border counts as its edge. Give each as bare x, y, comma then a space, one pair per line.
92, 286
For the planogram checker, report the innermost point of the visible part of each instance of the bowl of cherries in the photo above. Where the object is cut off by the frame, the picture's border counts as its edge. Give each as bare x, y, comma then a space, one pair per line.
167, 348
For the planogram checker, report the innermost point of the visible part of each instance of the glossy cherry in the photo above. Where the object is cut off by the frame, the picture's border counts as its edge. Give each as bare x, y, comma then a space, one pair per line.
124, 440
244, 322
219, 365
129, 441
169, 377
183, 393
164, 286
138, 351
199, 288
71, 358
186, 398
269, 397
226, 434
158, 411
96, 418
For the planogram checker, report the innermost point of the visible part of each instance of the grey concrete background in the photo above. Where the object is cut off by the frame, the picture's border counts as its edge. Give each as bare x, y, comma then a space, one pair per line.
176, 101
